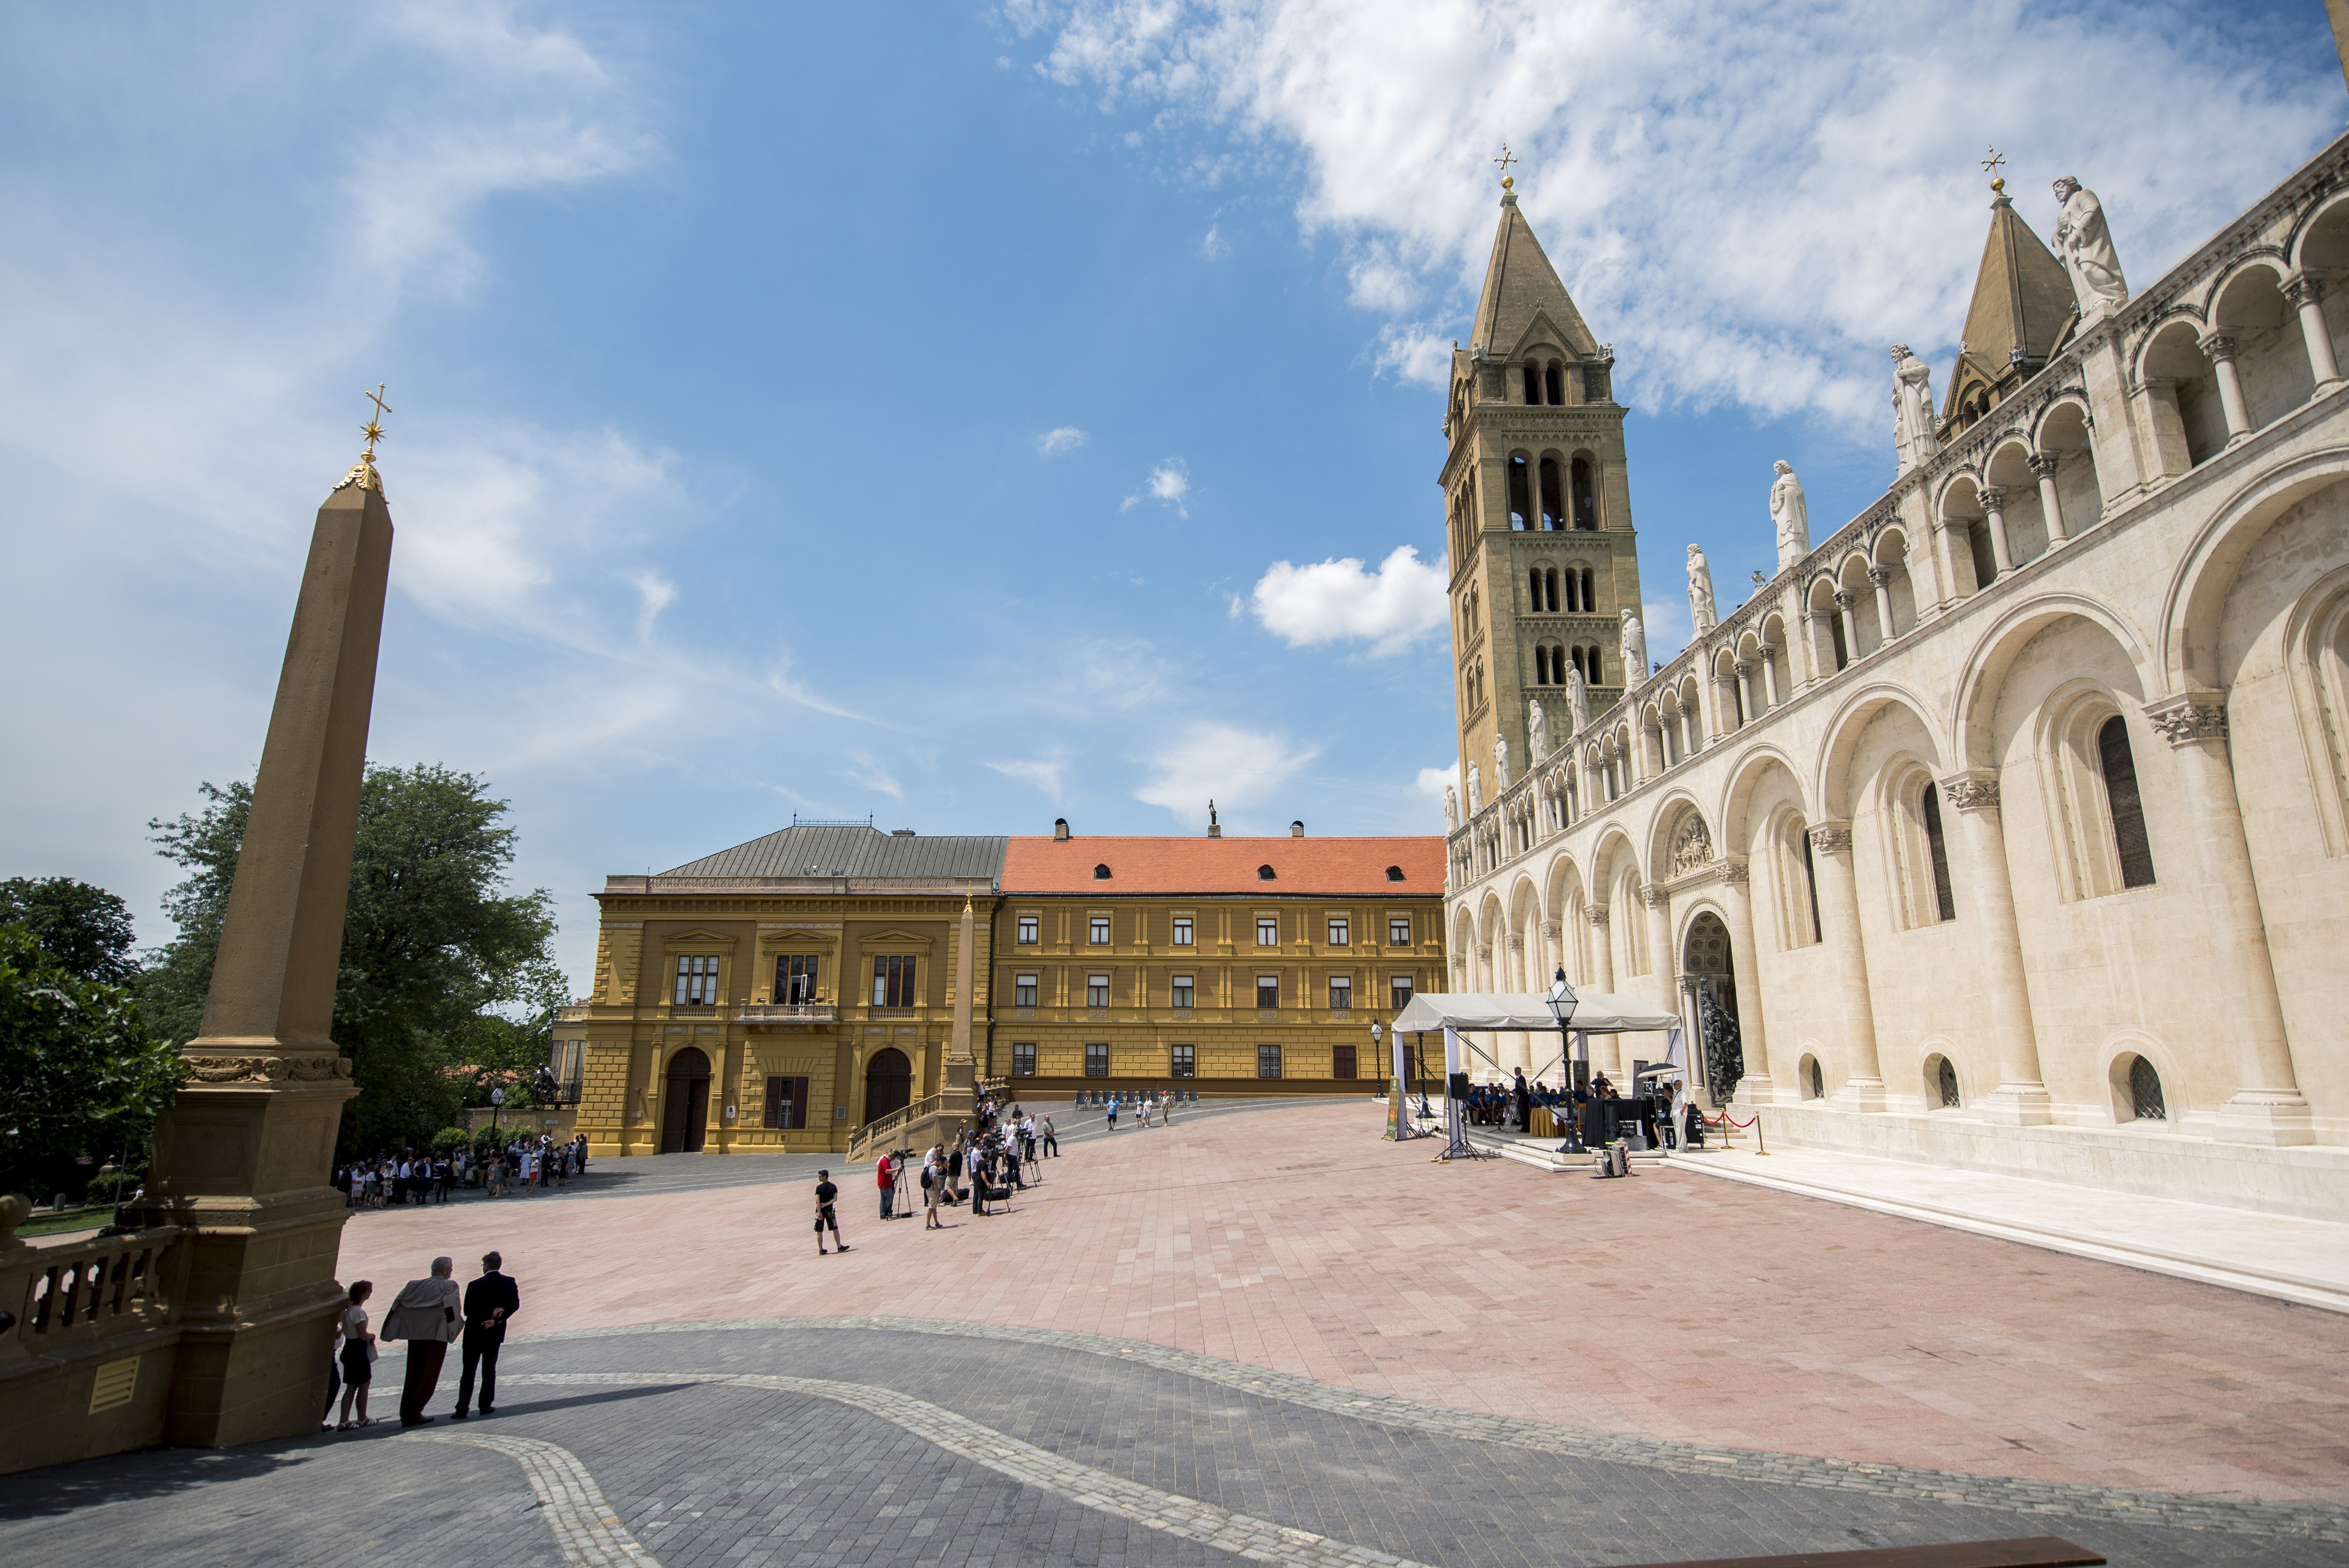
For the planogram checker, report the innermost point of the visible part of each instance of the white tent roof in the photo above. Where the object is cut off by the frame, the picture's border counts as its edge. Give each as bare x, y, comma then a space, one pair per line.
1595, 1013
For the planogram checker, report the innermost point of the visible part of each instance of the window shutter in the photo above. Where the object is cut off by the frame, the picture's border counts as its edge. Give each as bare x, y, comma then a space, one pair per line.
775, 1086
799, 1104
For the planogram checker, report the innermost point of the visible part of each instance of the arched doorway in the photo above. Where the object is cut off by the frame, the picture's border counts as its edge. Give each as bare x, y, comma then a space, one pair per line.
888, 1083
685, 1108
1710, 971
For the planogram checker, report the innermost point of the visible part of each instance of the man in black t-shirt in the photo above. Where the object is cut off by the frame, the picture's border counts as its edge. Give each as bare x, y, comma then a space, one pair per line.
825, 1192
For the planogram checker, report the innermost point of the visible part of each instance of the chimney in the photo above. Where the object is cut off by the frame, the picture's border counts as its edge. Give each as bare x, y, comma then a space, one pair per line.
1059, 830
1295, 830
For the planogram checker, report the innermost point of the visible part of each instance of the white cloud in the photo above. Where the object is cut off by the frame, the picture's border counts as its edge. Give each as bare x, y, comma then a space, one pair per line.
1215, 247
1067, 439
1432, 782
1337, 601
1235, 767
1044, 772
868, 770
1751, 201
1169, 483
657, 593
1415, 354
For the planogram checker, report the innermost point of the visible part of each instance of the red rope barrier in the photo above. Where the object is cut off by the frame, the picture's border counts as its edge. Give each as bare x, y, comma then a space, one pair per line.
1734, 1122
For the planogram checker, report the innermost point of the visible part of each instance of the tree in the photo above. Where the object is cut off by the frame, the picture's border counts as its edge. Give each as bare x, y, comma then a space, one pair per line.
80, 1072
86, 929
432, 946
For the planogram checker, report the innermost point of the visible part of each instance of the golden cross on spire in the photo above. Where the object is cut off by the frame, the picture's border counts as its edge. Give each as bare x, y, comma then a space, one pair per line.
1992, 165
373, 429
1507, 158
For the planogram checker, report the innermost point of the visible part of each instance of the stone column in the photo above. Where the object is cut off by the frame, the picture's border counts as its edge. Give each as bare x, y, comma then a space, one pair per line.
2268, 1109
1744, 670
1840, 911
2043, 464
243, 1155
1843, 602
1602, 978
1770, 672
1757, 1087
2306, 293
1811, 635
1660, 966
2020, 1098
1689, 734
1993, 500
2218, 347
1882, 579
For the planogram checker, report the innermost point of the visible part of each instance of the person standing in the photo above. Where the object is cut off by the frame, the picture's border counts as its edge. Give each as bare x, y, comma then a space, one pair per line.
489, 1301
954, 1173
1051, 1144
357, 1354
826, 1194
884, 1172
1524, 1097
424, 1314
1113, 1113
930, 1176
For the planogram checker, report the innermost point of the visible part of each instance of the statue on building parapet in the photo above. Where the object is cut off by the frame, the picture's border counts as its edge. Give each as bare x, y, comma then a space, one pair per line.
1451, 810
1790, 514
1537, 731
2084, 246
1500, 763
1635, 651
1703, 615
1475, 790
1578, 700
1912, 409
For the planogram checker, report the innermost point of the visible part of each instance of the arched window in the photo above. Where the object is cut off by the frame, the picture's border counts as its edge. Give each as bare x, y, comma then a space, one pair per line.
1573, 590
2145, 1092
1552, 514
1394, 873
1554, 383
1549, 578
1815, 1082
2129, 841
1946, 1082
1590, 592
1100, 874
1586, 498
1811, 888
1521, 504
1541, 665
1842, 649
1533, 384
1594, 669
1937, 845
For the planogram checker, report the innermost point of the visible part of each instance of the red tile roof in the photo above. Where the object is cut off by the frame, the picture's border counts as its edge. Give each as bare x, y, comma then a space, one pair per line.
1347, 867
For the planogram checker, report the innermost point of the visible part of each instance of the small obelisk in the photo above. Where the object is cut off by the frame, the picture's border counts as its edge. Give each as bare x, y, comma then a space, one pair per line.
244, 1155
961, 1068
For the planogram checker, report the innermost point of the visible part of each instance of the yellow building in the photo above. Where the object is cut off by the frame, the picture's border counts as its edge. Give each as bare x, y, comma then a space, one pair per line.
777, 995
1226, 966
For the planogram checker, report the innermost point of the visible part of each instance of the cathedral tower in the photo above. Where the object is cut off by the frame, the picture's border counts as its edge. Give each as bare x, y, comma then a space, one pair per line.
1537, 509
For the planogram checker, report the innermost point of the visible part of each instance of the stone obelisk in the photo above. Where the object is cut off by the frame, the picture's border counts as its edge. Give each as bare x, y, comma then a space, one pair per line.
244, 1154
959, 1082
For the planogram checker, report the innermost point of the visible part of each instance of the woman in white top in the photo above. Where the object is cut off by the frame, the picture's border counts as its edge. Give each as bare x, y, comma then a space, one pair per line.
357, 1354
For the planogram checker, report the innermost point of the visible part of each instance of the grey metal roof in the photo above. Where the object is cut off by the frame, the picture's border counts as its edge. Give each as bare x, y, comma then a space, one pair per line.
853, 852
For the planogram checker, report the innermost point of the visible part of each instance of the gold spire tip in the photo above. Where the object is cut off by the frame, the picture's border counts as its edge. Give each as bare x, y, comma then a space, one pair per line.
1990, 166
1508, 180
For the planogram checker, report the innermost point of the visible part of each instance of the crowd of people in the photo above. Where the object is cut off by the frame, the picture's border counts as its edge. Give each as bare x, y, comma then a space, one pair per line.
430, 1314
1146, 1104
499, 1170
985, 1164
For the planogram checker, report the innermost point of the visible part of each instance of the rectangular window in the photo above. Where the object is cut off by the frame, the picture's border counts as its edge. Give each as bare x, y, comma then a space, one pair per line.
1028, 929
1185, 1062
787, 1104
1096, 1061
1341, 1061
1341, 931
1267, 1061
795, 977
1398, 991
697, 980
1399, 930
1182, 990
1100, 930
1096, 990
1267, 930
1023, 1059
1023, 990
1342, 994
1182, 930
1267, 991
893, 981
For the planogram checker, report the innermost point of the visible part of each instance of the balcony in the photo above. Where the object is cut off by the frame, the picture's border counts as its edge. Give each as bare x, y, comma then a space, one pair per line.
787, 1013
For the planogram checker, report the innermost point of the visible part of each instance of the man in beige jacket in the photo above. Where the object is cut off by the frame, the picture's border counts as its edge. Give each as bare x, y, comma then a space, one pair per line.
426, 1313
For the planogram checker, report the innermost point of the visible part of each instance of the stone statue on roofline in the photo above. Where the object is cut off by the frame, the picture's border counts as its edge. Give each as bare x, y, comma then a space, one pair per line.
1500, 763
1790, 514
1536, 732
1635, 651
1451, 810
2086, 248
1912, 409
1578, 700
1701, 614
1475, 790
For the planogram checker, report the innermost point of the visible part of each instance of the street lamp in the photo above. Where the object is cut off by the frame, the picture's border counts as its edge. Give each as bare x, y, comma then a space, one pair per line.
1562, 1003
497, 1099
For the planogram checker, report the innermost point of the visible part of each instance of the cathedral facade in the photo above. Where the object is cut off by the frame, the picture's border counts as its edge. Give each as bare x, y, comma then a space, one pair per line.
2009, 822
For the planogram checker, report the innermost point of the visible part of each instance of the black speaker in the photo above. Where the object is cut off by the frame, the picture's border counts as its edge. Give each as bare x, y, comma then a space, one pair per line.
1459, 1085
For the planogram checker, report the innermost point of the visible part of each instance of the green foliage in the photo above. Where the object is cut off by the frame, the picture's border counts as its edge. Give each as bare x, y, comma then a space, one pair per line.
114, 1186
433, 948
86, 929
449, 1140
79, 1071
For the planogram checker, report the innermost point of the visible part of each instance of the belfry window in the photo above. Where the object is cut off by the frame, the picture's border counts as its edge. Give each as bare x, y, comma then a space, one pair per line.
1586, 496
2129, 840
1552, 514
1521, 504
1554, 383
1533, 384
1589, 592
1541, 666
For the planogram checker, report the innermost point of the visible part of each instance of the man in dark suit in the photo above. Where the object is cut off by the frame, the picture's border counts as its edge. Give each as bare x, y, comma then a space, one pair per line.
490, 1300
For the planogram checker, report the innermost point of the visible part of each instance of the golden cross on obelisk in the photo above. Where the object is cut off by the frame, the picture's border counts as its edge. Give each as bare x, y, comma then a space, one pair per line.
373, 430
1507, 158
1992, 165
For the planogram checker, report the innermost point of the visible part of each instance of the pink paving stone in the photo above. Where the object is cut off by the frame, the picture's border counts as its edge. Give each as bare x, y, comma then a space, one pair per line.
1674, 1305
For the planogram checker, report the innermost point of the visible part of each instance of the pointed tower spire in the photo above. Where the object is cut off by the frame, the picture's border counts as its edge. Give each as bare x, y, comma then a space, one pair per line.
2021, 313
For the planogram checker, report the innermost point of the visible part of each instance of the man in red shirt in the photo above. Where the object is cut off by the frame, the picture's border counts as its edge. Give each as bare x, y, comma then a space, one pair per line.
886, 1173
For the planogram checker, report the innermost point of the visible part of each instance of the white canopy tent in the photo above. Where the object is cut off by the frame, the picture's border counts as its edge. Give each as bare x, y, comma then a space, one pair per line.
1595, 1013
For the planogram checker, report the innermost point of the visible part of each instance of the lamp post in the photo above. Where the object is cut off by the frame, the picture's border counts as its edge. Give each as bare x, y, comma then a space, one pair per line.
1562, 1003
497, 1099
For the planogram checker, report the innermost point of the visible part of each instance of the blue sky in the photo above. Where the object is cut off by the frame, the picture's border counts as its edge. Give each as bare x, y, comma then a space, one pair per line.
961, 415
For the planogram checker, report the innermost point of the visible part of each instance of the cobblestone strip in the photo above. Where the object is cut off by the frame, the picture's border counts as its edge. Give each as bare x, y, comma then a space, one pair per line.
589, 1534
1241, 1534
2010, 1493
